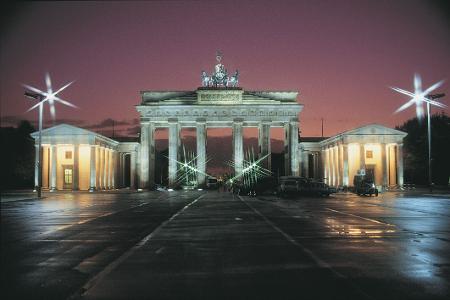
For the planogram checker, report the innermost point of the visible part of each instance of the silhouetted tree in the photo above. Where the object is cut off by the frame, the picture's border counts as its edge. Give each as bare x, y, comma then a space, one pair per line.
17, 157
416, 150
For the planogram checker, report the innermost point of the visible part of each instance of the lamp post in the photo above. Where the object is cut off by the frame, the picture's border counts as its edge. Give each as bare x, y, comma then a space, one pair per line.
51, 97
431, 97
39, 98
418, 98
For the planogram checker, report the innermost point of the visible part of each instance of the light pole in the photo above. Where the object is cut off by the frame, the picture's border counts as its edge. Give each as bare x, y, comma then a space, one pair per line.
430, 177
39, 98
418, 98
51, 97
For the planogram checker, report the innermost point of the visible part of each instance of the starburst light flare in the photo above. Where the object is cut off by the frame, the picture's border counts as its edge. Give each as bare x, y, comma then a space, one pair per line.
252, 171
187, 168
50, 96
419, 97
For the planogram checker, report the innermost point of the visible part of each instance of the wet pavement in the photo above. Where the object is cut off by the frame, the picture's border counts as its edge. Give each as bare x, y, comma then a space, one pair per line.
209, 245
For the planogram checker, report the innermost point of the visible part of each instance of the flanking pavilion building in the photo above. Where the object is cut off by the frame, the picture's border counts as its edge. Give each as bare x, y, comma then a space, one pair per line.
79, 159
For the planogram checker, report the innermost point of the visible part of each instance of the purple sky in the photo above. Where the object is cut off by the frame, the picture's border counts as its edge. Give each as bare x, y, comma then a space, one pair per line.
340, 55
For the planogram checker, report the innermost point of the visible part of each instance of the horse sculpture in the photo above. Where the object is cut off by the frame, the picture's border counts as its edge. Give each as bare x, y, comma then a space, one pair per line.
234, 80
206, 80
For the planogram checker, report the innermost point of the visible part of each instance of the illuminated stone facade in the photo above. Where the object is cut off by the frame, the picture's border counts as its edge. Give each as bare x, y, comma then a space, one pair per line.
374, 149
209, 107
78, 159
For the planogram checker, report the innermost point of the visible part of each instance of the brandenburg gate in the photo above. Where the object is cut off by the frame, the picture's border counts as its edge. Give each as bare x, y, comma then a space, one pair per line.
218, 103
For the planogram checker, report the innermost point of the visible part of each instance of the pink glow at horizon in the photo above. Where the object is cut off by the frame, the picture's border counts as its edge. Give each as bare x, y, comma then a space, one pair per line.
342, 56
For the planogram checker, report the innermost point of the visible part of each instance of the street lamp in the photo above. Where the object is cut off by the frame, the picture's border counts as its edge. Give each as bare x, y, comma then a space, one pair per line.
418, 98
432, 97
39, 98
42, 97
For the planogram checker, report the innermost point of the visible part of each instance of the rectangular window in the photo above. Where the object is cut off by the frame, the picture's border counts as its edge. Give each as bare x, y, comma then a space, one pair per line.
67, 176
68, 154
369, 154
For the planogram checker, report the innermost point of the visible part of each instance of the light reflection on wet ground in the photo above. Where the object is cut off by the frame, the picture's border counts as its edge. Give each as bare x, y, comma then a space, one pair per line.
396, 246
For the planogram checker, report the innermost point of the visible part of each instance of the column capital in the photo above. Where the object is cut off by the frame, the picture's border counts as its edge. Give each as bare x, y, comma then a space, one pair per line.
200, 120
172, 120
238, 120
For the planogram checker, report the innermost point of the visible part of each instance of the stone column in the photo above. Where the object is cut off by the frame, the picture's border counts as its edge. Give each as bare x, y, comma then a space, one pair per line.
53, 174
264, 144
151, 155
324, 165
330, 166
36, 167
362, 157
305, 163
345, 169
287, 166
133, 155
113, 168
238, 147
122, 169
174, 136
144, 170
399, 162
201, 152
101, 169
76, 166
293, 148
92, 170
105, 167
339, 165
97, 168
334, 165
384, 165
110, 168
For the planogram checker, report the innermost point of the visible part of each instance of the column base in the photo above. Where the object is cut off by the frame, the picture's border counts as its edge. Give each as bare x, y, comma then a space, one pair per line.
92, 189
53, 189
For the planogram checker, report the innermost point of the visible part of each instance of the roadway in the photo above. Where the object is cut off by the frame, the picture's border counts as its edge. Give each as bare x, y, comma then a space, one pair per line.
210, 245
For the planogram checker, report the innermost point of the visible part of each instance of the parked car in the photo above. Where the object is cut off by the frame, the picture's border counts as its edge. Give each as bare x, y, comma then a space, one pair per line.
290, 185
211, 183
364, 186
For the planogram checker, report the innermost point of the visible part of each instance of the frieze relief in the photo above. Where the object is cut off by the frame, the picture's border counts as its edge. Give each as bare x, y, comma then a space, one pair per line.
219, 113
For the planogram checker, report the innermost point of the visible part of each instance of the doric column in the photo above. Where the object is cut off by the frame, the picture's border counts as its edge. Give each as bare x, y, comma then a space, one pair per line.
264, 144
287, 167
101, 163
97, 168
92, 169
238, 147
323, 157
384, 164
362, 157
151, 155
133, 155
333, 165
122, 169
53, 174
339, 165
305, 163
201, 152
105, 167
145, 163
76, 167
174, 136
345, 169
111, 169
329, 166
399, 161
36, 167
293, 147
